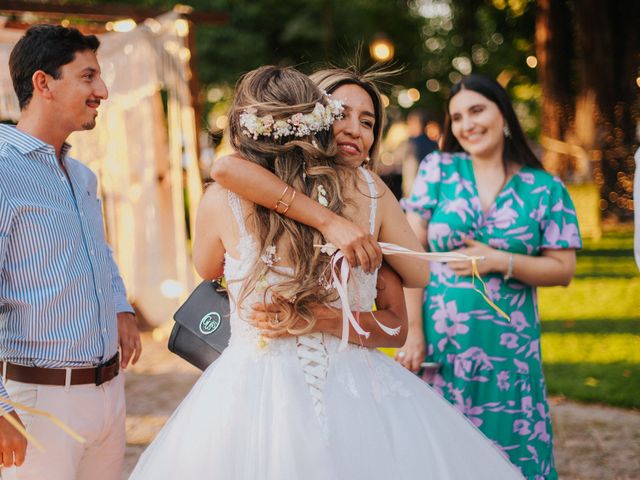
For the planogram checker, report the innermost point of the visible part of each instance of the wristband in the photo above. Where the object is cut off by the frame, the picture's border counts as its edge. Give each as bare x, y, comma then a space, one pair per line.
509, 273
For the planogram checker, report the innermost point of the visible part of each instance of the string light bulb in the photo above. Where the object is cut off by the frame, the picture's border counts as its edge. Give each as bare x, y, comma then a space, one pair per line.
124, 26
381, 49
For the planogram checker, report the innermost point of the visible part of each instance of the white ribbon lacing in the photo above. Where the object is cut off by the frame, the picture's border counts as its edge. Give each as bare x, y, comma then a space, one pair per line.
315, 365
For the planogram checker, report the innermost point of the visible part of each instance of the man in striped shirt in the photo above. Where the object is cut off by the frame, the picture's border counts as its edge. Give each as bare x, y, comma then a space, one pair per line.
63, 306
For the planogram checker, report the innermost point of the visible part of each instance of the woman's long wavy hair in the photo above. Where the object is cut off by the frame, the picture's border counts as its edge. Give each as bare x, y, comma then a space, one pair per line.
304, 163
516, 147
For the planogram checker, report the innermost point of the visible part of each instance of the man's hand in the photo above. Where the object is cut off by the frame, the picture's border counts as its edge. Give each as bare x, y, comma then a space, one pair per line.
129, 339
13, 446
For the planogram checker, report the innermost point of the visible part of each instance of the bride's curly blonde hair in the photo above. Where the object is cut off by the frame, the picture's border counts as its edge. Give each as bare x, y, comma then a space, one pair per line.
304, 163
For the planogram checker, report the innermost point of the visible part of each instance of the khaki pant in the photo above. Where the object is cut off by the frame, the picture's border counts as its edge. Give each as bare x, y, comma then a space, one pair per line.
97, 413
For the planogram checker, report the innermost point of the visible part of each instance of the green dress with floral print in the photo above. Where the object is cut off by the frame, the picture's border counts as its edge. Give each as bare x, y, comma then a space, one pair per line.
491, 368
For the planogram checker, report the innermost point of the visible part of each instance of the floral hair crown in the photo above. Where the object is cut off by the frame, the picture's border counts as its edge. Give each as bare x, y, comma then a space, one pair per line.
298, 125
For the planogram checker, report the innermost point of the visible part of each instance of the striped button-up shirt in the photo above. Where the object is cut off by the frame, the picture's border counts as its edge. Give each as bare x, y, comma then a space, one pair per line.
60, 289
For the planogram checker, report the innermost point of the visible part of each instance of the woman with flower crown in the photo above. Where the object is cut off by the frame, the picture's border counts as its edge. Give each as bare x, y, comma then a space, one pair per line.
294, 396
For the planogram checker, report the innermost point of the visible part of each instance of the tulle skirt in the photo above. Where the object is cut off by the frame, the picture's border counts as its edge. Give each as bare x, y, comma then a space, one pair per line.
254, 416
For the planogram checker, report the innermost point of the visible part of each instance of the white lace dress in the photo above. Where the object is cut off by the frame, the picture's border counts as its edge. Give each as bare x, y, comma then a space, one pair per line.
301, 409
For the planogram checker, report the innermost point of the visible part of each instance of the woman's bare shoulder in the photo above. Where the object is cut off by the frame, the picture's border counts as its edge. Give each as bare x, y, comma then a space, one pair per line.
214, 207
214, 195
381, 187
386, 198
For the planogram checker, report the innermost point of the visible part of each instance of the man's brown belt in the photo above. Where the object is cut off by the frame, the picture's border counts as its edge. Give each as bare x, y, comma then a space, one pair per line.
58, 376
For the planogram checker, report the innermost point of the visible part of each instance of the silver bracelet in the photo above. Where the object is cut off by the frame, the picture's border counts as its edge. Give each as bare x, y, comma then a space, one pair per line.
509, 273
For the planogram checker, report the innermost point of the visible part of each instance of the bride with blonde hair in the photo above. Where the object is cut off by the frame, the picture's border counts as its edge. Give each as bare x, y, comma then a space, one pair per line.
295, 395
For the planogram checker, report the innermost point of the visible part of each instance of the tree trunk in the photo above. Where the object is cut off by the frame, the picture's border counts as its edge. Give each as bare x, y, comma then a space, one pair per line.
554, 52
607, 62
590, 93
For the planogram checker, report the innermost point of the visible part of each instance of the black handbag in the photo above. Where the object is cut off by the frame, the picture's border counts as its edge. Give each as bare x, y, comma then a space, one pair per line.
202, 328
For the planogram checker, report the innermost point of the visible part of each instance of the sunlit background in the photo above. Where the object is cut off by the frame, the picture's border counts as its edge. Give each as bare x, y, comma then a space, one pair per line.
571, 67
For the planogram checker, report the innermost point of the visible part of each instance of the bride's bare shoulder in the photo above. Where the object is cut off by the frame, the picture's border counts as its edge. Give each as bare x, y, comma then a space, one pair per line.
214, 194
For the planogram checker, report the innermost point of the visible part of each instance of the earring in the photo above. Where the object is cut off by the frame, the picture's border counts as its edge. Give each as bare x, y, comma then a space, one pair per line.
304, 171
507, 131
366, 161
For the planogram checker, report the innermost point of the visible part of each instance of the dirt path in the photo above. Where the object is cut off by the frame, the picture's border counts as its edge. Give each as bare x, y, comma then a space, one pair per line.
596, 442
591, 442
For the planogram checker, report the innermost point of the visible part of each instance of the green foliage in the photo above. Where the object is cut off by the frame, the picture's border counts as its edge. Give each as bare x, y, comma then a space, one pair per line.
434, 40
303, 33
591, 330
489, 37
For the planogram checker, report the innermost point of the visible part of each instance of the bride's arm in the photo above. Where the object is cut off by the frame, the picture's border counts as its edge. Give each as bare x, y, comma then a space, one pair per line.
391, 312
394, 228
208, 250
260, 186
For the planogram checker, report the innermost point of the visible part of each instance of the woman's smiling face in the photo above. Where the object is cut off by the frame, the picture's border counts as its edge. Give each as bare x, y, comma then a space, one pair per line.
354, 133
477, 124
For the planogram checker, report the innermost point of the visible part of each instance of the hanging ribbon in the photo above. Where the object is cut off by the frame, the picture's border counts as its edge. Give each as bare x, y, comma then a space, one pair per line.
476, 274
392, 249
340, 283
34, 411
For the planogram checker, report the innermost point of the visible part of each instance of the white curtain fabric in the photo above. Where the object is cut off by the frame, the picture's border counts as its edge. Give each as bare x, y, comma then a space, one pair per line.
9, 109
144, 152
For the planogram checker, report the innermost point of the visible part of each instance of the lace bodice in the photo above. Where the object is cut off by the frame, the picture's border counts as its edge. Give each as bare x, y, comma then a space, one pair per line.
362, 286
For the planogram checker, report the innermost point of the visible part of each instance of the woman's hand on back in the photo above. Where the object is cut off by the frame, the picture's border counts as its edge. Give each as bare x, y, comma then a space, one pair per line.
359, 247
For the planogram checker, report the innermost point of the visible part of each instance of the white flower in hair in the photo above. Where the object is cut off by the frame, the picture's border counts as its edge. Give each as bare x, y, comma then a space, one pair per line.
322, 196
328, 249
270, 258
298, 125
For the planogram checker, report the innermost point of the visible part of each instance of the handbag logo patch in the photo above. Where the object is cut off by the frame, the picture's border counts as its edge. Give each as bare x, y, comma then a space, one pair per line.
210, 323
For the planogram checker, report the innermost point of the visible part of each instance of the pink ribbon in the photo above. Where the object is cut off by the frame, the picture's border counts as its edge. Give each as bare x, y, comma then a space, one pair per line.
393, 249
340, 283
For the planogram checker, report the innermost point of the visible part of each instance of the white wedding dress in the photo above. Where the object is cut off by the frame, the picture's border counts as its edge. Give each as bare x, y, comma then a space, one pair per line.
300, 409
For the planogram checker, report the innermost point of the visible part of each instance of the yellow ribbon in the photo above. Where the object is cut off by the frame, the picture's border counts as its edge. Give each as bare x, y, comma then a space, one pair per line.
34, 411
476, 274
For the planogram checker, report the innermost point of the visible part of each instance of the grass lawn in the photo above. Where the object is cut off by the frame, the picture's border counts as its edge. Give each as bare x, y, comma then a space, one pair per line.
591, 329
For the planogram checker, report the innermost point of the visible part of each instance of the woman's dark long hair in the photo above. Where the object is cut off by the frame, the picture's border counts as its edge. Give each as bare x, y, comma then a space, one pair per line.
516, 147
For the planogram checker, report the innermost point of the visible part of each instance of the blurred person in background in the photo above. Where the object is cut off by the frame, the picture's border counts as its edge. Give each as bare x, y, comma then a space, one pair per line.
417, 146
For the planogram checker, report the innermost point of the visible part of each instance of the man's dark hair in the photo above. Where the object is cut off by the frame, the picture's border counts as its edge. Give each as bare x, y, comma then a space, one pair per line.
46, 48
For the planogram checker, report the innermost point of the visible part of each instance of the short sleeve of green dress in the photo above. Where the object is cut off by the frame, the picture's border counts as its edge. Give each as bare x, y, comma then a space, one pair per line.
491, 368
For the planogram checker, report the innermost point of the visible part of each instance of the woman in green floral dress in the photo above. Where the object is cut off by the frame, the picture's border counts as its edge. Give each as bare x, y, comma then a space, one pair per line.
494, 201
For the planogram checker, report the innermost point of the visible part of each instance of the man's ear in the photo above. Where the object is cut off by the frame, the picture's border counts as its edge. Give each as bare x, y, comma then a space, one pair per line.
40, 82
